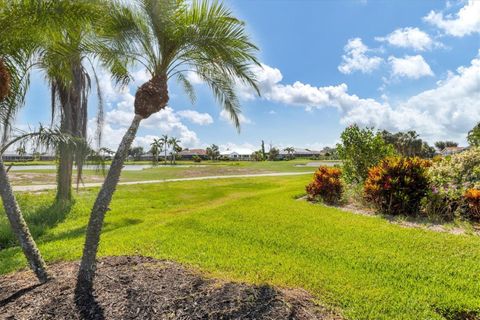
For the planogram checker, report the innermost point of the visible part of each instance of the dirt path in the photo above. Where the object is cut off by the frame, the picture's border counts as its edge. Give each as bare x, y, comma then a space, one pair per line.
98, 184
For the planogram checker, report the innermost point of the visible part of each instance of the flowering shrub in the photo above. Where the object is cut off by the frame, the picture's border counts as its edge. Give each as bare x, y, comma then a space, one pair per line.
451, 178
472, 196
326, 185
397, 185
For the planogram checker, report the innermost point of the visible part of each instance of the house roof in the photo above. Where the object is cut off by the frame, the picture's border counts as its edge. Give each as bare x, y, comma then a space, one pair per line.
452, 149
193, 152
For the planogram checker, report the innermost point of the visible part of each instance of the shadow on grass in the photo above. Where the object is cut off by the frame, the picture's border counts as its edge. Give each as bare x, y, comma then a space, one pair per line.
39, 221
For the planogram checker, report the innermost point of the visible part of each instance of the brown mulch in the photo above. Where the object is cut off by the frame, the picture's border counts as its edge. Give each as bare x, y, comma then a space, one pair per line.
146, 288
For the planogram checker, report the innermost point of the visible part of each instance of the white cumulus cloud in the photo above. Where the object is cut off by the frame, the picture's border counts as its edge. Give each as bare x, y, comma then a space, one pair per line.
466, 21
413, 67
196, 117
356, 58
409, 38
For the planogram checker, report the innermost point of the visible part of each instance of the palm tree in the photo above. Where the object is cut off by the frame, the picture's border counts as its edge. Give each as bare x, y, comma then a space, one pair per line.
166, 142
174, 37
156, 148
66, 58
174, 143
290, 151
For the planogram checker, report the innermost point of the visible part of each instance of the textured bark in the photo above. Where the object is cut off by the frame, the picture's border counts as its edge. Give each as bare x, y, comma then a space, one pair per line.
4, 80
64, 174
20, 228
86, 272
152, 96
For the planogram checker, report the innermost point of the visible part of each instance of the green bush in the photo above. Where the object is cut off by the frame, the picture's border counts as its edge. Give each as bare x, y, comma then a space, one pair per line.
397, 185
359, 150
450, 179
196, 158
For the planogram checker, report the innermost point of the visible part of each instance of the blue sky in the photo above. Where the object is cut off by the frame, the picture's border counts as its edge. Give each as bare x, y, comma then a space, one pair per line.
396, 65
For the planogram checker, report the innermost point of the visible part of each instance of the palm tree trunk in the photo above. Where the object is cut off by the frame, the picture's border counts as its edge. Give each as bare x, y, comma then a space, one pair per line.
86, 273
20, 228
64, 174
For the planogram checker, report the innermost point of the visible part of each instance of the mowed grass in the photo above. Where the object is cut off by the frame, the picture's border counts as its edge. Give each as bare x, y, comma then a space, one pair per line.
254, 230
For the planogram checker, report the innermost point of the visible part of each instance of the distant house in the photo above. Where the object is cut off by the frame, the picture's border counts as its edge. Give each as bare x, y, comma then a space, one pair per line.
15, 157
451, 150
237, 154
188, 154
299, 153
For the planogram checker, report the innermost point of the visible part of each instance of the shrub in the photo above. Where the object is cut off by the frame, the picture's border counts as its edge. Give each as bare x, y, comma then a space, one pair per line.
359, 150
451, 178
196, 158
326, 185
472, 197
397, 185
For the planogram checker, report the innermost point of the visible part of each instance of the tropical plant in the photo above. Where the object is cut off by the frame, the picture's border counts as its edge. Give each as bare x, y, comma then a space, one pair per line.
156, 148
408, 144
166, 143
361, 149
175, 145
326, 185
472, 196
171, 38
136, 153
473, 137
397, 185
289, 151
213, 152
273, 154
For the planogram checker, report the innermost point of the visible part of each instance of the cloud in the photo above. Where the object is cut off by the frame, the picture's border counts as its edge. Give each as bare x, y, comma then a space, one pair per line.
465, 22
447, 111
225, 116
413, 67
409, 38
196, 117
356, 58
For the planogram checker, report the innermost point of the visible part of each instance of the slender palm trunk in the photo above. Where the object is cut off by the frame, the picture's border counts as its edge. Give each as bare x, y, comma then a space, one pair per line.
20, 228
165, 157
64, 174
86, 273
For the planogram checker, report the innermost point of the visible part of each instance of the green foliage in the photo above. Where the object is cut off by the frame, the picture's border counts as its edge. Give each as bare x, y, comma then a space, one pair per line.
450, 178
196, 159
361, 149
213, 152
440, 145
273, 154
474, 136
136, 153
326, 185
408, 144
397, 185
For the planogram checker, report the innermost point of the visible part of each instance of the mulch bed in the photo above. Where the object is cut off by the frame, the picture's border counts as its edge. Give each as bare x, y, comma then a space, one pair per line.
146, 288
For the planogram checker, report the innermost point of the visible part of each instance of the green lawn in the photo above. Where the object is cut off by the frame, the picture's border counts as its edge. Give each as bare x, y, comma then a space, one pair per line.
254, 230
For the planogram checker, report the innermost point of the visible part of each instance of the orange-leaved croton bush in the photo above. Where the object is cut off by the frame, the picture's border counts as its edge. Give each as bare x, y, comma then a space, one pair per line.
472, 196
397, 185
326, 185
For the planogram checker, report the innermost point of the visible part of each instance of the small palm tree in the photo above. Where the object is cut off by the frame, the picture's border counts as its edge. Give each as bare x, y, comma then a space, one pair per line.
166, 143
156, 148
171, 38
290, 151
175, 144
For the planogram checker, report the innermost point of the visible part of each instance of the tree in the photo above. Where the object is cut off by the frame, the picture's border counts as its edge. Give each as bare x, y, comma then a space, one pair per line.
273, 154
156, 148
440, 145
175, 144
213, 152
473, 137
173, 37
408, 144
166, 143
262, 150
359, 150
136, 153
21, 151
65, 58
290, 151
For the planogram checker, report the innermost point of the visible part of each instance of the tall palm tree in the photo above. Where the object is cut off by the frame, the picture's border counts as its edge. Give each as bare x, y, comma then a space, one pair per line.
171, 38
66, 59
175, 144
156, 148
166, 143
